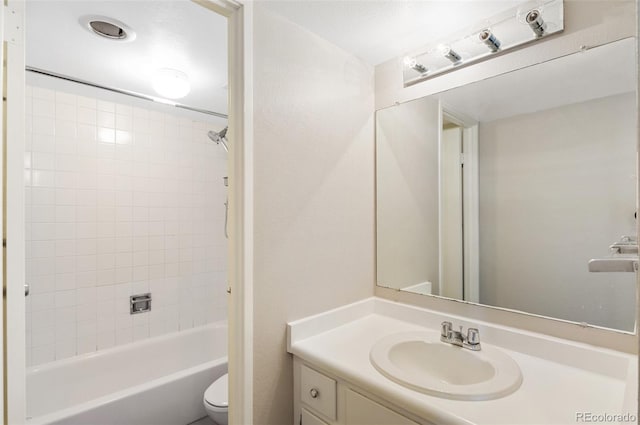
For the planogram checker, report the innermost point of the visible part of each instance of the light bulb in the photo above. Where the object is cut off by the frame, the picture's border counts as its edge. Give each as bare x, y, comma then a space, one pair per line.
443, 49
535, 22
449, 53
487, 37
409, 61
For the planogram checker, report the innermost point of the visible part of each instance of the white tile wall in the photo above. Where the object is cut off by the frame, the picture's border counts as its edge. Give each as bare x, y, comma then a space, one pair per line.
120, 200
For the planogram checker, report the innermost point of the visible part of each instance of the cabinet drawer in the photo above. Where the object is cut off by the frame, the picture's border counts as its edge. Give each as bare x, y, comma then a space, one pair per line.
318, 392
310, 419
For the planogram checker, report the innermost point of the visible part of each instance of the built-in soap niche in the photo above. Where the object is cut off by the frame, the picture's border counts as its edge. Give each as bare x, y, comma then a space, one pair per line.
527, 23
140, 303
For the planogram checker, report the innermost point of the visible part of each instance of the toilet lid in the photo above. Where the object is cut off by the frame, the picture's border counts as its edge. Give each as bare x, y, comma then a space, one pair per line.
218, 393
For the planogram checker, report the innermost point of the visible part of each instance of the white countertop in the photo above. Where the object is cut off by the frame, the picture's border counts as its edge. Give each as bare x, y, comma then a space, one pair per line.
560, 378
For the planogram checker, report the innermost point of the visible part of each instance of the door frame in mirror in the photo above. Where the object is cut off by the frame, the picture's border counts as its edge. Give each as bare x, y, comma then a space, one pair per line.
470, 201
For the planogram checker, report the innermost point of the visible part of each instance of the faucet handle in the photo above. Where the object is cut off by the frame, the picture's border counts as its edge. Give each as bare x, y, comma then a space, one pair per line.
445, 329
473, 336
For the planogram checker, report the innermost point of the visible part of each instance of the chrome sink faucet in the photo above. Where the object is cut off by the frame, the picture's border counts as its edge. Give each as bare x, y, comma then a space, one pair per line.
470, 341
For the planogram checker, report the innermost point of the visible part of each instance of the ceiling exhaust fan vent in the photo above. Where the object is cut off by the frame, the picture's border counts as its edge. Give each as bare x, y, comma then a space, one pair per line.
108, 28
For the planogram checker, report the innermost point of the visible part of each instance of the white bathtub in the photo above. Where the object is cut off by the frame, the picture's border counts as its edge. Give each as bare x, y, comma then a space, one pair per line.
152, 382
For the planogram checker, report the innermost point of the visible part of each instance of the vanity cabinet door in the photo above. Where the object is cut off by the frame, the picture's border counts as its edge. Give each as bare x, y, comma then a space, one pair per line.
362, 411
308, 418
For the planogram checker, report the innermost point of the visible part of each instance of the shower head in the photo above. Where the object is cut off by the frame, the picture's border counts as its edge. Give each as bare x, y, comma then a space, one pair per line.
219, 138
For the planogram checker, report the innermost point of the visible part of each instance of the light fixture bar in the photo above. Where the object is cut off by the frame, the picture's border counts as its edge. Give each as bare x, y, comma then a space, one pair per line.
121, 91
530, 22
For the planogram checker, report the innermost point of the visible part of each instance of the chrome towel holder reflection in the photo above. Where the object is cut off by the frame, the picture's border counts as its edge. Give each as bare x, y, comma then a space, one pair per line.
624, 258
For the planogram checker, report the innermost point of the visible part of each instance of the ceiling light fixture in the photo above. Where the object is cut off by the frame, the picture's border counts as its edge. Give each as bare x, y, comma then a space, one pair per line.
535, 22
171, 83
450, 54
412, 63
487, 37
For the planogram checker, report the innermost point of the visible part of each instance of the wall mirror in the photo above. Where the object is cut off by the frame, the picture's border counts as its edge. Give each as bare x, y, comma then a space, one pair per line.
500, 192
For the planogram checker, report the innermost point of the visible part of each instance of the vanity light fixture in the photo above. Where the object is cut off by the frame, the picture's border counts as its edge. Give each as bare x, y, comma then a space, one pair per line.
529, 22
410, 62
488, 38
171, 83
535, 22
450, 54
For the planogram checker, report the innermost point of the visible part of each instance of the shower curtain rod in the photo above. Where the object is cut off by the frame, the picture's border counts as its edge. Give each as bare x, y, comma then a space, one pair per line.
121, 91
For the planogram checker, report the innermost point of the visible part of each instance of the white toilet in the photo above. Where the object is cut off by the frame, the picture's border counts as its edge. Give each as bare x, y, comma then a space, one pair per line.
216, 400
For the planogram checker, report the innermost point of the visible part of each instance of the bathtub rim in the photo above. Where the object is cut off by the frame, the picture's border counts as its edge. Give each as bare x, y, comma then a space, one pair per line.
125, 347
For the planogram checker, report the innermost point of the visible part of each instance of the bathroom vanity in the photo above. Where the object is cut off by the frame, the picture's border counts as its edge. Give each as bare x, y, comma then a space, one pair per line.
322, 399
337, 380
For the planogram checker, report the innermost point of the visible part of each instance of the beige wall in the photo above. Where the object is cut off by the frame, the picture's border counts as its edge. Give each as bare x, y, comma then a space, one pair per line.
407, 194
313, 106
556, 189
314, 172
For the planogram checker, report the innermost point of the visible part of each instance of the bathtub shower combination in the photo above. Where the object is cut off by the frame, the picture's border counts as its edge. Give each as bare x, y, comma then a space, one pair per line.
126, 260
158, 381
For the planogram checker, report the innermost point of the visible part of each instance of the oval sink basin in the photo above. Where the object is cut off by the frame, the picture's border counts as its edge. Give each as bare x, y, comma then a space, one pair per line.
420, 361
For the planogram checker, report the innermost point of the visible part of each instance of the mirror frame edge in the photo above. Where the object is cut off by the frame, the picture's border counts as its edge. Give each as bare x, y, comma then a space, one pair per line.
614, 339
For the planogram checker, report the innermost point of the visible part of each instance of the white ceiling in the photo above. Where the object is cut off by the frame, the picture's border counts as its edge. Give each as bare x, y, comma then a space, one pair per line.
378, 30
175, 34
182, 35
